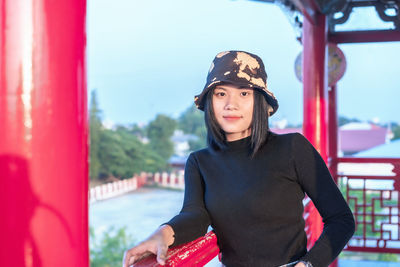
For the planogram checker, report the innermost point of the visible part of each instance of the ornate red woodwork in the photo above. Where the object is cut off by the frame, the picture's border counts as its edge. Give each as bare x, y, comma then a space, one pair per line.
43, 128
374, 200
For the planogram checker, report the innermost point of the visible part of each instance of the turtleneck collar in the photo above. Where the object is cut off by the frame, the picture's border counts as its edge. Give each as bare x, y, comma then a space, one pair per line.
239, 144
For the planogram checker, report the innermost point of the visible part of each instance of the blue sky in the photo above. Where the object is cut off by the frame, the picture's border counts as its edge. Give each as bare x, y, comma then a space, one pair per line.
150, 57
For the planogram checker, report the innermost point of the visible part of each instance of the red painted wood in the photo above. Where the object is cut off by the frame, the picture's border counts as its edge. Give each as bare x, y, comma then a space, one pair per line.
308, 8
375, 208
365, 36
196, 253
333, 132
333, 139
43, 128
315, 100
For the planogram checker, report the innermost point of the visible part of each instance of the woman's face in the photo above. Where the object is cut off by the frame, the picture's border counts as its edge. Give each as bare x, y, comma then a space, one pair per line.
233, 110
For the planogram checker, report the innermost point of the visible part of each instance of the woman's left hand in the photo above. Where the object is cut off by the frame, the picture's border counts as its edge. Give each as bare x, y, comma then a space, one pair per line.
300, 264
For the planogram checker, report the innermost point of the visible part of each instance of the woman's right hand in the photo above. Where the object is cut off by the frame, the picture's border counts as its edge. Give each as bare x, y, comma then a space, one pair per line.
157, 243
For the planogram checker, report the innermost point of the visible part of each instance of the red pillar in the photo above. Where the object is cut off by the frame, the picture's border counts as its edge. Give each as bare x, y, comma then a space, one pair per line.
333, 132
43, 133
315, 98
333, 139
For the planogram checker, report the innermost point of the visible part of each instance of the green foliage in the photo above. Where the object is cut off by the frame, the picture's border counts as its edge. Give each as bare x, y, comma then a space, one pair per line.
137, 131
387, 257
95, 130
192, 122
357, 256
123, 155
108, 250
114, 160
159, 132
120, 153
343, 120
142, 157
396, 131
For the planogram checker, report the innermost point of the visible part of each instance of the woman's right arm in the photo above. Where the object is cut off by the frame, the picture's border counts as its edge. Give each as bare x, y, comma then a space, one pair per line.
191, 223
157, 243
193, 220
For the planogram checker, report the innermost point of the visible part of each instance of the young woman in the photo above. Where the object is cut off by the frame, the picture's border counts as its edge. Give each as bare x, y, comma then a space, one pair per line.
249, 183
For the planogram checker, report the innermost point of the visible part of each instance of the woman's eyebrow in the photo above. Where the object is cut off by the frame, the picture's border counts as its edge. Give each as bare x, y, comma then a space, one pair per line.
220, 88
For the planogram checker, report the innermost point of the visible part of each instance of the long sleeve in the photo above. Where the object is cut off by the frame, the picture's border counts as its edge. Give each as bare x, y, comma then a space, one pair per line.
193, 220
315, 179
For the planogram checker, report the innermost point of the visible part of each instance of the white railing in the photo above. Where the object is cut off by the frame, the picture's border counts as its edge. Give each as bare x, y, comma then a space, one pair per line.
170, 180
117, 188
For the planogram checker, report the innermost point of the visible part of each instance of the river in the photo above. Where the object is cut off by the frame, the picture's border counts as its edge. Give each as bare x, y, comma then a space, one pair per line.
140, 211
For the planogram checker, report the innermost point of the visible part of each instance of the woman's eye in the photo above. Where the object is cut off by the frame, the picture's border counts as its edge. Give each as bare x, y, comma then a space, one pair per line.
220, 93
244, 93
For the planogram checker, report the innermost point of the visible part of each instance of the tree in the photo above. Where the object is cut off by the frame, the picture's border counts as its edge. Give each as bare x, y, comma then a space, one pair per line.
159, 132
95, 129
138, 131
141, 156
343, 120
107, 251
396, 131
123, 155
114, 161
192, 122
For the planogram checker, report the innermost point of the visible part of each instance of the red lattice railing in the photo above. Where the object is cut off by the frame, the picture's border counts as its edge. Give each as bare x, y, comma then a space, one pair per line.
371, 187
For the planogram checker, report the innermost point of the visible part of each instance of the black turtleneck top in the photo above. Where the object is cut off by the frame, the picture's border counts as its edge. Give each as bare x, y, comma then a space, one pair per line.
254, 204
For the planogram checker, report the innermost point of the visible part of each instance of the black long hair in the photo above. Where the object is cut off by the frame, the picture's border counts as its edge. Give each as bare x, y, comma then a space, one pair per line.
216, 138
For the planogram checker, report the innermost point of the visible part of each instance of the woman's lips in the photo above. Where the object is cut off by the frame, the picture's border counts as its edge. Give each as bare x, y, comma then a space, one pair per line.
231, 118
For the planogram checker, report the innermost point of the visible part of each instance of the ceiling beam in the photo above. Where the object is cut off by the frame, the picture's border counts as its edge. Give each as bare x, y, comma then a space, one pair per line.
308, 8
364, 36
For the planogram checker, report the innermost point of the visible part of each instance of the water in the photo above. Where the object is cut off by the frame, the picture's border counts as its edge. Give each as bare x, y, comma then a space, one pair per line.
141, 211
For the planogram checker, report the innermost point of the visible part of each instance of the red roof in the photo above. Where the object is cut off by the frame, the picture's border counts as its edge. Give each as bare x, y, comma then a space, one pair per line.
351, 141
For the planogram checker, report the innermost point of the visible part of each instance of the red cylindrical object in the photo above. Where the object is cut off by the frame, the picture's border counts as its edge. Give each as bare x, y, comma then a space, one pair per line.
43, 133
196, 253
333, 132
315, 84
315, 99
333, 139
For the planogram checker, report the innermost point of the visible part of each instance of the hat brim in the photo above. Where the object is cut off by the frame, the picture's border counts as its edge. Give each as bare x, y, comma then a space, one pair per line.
199, 100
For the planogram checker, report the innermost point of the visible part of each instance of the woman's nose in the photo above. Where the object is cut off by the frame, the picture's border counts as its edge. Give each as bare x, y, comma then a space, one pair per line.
231, 103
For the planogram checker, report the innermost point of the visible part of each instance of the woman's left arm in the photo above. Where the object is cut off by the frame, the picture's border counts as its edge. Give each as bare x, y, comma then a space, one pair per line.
316, 180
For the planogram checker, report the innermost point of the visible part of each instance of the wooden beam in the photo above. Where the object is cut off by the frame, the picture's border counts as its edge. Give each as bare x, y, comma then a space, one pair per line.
364, 36
308, 8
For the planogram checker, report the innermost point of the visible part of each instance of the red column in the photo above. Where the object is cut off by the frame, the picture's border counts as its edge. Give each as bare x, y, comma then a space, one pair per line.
333, 139
315, 98
333, 131
43, 133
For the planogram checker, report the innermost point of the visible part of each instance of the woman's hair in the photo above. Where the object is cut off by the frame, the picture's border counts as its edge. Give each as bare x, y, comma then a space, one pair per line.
259, 125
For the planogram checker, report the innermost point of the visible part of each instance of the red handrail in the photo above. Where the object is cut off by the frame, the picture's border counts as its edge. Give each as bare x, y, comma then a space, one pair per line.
195, 253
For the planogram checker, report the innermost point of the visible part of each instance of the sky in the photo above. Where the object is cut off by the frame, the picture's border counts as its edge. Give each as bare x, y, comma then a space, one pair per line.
151, 57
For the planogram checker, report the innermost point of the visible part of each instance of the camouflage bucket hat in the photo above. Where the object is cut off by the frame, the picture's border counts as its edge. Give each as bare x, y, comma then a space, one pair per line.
239, 68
